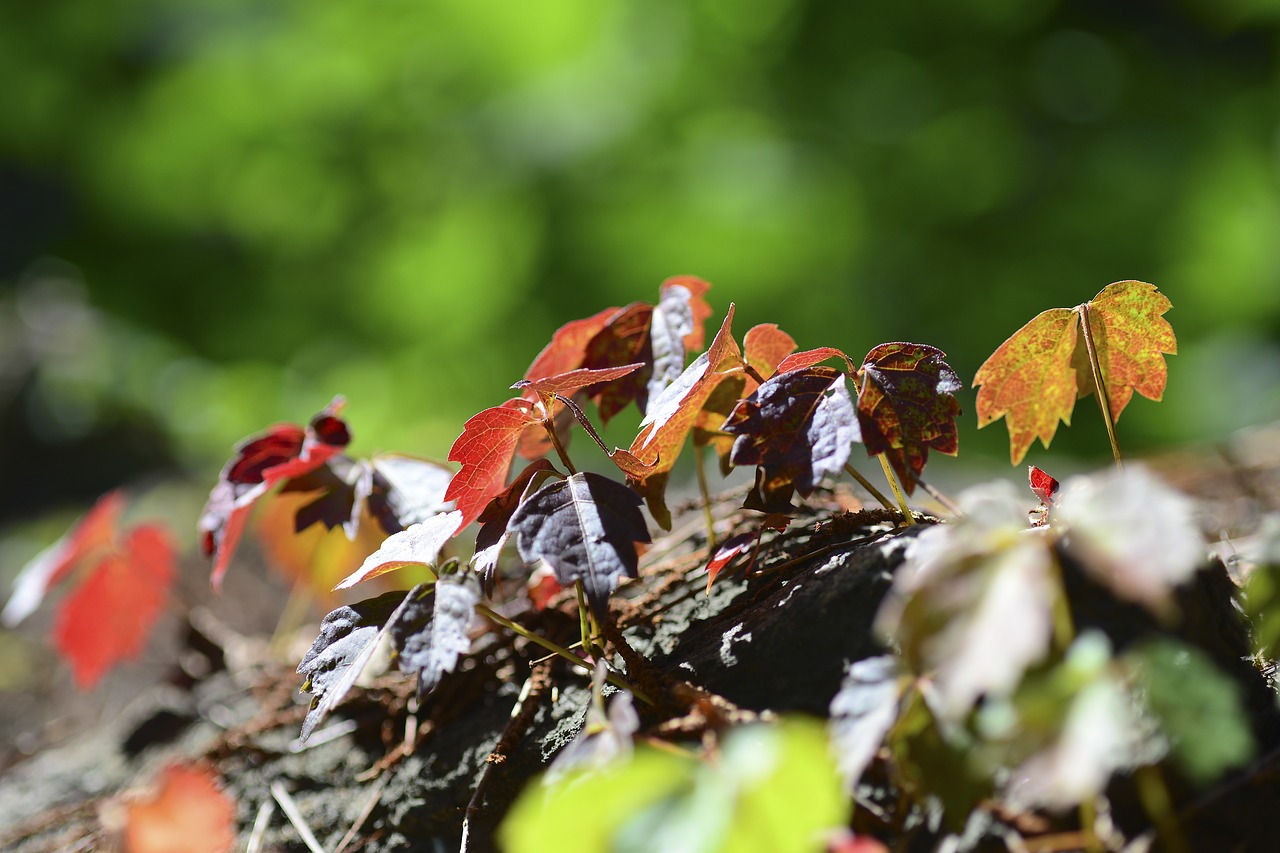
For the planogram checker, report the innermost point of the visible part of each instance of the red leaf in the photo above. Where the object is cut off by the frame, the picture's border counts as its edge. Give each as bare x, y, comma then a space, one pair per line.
744, 543
485, 449
568, 346
1042, 484
810, 357
107, 618
92, 535
906, 406
189, 813
281, 453
569, 383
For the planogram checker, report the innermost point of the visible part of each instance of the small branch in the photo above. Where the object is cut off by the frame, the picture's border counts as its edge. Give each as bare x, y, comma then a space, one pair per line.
897, 490
753, 373
866, 484
1099, 387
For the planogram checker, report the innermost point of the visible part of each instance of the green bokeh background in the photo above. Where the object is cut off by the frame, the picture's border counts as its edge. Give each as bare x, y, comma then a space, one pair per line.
219, 213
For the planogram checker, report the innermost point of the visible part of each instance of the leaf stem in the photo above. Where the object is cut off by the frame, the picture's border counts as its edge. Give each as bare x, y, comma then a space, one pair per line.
866, 484
907, 516
556, 649
548, 423
701, 468
753, 373
1088, 827
1154, 795
584, 620
1099, 387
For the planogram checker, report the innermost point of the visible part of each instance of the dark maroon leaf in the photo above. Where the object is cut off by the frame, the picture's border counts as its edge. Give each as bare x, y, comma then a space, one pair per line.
743, 543
907, 405
430, 631
347, 640
493, 521
797, 427
586, 528
625, 340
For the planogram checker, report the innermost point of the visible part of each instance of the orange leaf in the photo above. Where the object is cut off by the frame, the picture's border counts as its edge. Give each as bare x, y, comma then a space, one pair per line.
189, 814
1034, 378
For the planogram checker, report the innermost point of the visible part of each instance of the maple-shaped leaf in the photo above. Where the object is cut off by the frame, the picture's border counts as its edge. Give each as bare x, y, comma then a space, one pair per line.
1034, 378
493, 532
348, 638
188, 811
765, 346
673, 414
485, 450
281, 453
907, 406
108, 616
586, 528
673, 326
91, 536
419, 545
350, 635
431, 631
120, 587
797, 427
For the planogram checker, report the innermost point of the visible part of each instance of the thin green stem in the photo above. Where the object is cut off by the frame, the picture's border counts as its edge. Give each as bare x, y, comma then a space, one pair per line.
1099, 387
700, 466
897, 490
1154, 795
584, 626
1088, 828
866, 484
557, 649
1064, 629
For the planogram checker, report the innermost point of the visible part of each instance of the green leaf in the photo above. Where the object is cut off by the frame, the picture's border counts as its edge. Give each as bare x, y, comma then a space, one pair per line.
1199, 708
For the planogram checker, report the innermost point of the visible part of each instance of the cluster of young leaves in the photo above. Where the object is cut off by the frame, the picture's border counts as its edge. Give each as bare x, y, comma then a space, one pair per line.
1115, 342
391, 490
989, 692
118, 581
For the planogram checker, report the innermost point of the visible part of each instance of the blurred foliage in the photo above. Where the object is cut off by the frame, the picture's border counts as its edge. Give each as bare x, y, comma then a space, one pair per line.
269, 203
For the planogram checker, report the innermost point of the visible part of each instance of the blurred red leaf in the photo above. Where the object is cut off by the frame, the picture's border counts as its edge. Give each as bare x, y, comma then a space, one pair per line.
282, 452
188, 814
906, 405
485, 449
107, 617
92, 535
